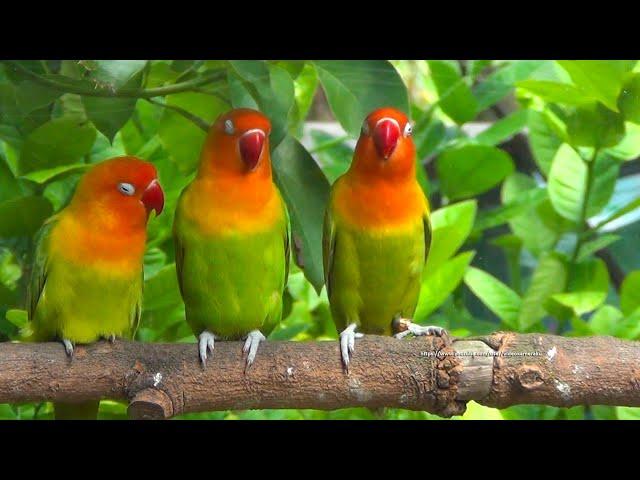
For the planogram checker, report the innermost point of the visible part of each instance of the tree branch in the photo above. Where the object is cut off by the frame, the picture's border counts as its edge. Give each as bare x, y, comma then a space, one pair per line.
71, 85
163, 380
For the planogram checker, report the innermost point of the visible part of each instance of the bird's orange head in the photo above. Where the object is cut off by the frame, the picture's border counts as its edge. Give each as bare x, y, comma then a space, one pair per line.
385, 148
120, 192
237, 144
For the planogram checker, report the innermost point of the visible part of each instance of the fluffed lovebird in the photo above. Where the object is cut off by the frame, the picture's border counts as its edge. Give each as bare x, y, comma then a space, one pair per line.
87, 276
231, 234
376, 235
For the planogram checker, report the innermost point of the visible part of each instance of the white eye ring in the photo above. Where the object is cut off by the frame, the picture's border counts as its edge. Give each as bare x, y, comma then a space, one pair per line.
365, 128
228, 127
126, 188
408, 129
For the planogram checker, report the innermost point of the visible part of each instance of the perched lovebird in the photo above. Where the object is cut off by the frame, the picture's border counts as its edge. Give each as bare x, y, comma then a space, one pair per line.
377, 235
231, 233
86, 281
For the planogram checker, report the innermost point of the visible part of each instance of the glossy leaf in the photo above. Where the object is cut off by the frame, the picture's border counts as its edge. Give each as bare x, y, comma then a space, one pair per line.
455, 97
472, 169
354, 88
306, 191
450, 226
61, 141
23, 216
549, 277
438, 284
499, 298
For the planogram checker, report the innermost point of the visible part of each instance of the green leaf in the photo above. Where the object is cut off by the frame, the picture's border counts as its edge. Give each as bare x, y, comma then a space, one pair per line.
629, 207
472, 169
114, 74
31, 96
498, 85
587, 288
549, 277
437, 285
606, 320
605, 174
161, 291
18, 318
455, 97
629, 99
109, 115
628, 413
555, 92
540, 228
450, 226
499, 298
519, 205
589, 248
629, 147
9, 187
594, 125
306, 192
179, 136
630, 293
428, 137
354, 88
568, 183
273, 89
56, 173
61, 141
23, 216
543, 139
504, 128
601, 79
305, 85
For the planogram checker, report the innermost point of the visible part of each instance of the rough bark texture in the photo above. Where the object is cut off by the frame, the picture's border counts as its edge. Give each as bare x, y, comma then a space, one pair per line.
163, 380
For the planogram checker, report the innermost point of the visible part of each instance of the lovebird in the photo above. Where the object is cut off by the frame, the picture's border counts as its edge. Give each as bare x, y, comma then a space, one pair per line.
376, 235
87, 276
231, 235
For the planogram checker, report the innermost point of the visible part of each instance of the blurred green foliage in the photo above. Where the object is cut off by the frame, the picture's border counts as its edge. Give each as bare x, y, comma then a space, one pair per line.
518, 234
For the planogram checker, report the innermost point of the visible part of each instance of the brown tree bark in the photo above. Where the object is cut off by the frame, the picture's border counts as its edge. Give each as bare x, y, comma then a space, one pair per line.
163, 380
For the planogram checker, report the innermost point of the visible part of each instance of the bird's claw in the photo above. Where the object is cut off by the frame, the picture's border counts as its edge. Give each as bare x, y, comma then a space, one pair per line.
421, 330
68, 347
112, 338
251, 345
206, 341
347, 344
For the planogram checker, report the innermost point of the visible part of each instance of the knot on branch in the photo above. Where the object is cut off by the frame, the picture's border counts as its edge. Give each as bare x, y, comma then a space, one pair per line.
447, 372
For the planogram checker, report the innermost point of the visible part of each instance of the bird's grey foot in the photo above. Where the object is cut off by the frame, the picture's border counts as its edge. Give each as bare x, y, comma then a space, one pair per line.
206, 342
251, 346
112, 338
347, 344
68, 347
407, 327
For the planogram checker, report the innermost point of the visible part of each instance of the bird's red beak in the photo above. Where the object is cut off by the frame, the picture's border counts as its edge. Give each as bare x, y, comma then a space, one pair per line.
251, 144
385, 136
153, 198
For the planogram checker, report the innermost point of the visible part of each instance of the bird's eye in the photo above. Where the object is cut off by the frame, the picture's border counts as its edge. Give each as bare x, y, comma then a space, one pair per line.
126, 188
228, 127
365, 128
408, 129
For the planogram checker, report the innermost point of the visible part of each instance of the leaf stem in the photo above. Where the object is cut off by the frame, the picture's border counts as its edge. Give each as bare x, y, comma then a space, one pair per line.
71, 85
199, 122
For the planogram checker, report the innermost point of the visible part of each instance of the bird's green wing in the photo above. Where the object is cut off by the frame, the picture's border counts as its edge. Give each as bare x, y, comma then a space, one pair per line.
137, 309
426, 222
178, 245
328, 246
39, 266
287, 239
